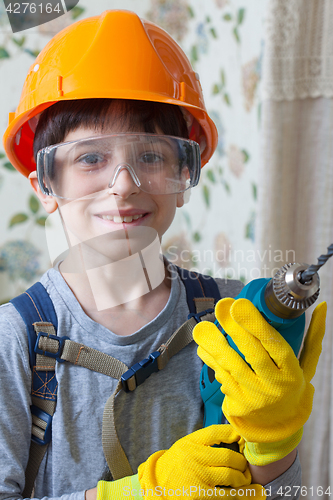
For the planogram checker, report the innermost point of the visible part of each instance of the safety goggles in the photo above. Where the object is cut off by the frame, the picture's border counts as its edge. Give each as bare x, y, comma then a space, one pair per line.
157, 164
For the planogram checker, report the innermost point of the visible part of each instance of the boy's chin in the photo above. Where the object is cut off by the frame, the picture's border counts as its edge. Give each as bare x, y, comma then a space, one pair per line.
115, 246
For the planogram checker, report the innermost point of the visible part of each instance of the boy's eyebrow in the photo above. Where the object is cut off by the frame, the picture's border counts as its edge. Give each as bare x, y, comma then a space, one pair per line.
77, 147
162, 141
107, 143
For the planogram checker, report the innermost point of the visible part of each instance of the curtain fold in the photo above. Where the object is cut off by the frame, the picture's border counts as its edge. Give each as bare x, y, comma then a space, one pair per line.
295, 209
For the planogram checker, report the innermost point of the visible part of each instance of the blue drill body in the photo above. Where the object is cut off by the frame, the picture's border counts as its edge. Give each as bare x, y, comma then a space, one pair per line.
291, 329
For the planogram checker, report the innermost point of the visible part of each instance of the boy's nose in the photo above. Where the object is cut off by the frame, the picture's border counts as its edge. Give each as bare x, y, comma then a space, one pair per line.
122, 180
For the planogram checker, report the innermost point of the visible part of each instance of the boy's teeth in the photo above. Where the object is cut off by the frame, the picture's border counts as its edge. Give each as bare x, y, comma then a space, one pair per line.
128, 218
118, 219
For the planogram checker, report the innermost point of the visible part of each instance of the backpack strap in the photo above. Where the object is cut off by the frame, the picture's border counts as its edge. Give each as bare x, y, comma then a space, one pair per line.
202, 292
36, 309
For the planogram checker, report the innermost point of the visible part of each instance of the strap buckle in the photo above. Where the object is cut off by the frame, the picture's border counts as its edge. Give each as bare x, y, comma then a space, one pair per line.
139, 372
50, 354
45, 417
197, 316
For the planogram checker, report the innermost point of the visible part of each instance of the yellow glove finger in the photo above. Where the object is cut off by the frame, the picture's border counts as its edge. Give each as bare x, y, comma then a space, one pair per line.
249, 319
227, 364
214, 434
215, 351
230, 369
193, 461
230, 386
217, 457
221, 476
208, 476
251, 347
313, 342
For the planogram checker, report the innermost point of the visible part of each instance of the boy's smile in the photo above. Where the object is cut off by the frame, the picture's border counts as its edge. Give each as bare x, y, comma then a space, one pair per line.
128, 216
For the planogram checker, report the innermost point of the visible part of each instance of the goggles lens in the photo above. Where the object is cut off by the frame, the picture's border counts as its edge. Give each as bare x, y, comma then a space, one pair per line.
158, 164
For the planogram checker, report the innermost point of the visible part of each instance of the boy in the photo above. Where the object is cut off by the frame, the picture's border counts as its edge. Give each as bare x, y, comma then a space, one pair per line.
117, 115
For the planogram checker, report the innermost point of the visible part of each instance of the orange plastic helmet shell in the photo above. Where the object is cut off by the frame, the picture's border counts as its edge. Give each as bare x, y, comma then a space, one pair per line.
115, 55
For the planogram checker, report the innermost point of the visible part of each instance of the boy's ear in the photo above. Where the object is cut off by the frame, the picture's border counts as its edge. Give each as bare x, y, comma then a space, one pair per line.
49, 202
180, 200
183, 198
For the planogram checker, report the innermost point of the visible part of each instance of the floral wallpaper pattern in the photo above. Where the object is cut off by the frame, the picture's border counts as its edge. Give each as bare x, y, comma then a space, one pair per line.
223, 40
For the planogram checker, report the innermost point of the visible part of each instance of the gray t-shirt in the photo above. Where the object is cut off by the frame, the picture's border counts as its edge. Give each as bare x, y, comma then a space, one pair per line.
163, 409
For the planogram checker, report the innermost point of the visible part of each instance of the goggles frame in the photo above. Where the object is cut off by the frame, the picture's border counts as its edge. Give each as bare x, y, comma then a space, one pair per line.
43, 162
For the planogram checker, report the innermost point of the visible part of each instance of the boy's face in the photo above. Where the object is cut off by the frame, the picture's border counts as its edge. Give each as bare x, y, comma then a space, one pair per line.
119, 220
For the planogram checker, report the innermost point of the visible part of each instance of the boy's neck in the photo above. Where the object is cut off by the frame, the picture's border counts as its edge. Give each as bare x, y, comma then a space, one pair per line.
123, 296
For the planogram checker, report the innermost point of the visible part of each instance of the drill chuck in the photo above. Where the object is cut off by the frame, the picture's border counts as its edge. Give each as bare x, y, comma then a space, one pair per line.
286, 296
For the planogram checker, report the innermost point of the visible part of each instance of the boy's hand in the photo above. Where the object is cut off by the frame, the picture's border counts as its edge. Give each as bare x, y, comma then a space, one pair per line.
269, 401
191, 467
194, 461
91, 494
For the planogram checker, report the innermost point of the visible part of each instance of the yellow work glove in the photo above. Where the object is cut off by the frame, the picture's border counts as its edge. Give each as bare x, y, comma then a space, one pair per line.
191, 467
267, 403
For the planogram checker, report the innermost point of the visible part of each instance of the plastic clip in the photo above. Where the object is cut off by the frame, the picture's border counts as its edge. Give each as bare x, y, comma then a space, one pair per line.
197, 316
42, 415
139, 372
50, 354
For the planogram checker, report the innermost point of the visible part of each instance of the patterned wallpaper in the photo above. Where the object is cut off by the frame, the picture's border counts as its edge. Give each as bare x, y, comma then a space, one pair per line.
214, 232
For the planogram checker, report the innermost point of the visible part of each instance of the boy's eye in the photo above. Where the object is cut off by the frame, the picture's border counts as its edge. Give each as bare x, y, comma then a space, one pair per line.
149, 158
91, 159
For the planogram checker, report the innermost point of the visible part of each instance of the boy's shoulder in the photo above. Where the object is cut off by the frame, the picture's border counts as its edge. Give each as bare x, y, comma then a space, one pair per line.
9, 315
227, 287
14, 347
10, 320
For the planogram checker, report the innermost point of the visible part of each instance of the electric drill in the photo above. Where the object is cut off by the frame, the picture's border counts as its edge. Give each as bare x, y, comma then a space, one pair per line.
282, 301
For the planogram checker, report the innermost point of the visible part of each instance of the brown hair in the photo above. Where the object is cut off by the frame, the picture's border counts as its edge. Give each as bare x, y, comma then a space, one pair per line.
65, 116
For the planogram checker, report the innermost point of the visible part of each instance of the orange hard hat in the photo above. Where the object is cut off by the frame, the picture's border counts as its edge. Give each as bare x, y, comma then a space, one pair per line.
115, 55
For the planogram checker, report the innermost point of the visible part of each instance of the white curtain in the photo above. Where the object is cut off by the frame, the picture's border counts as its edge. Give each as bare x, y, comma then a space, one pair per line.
296, 182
